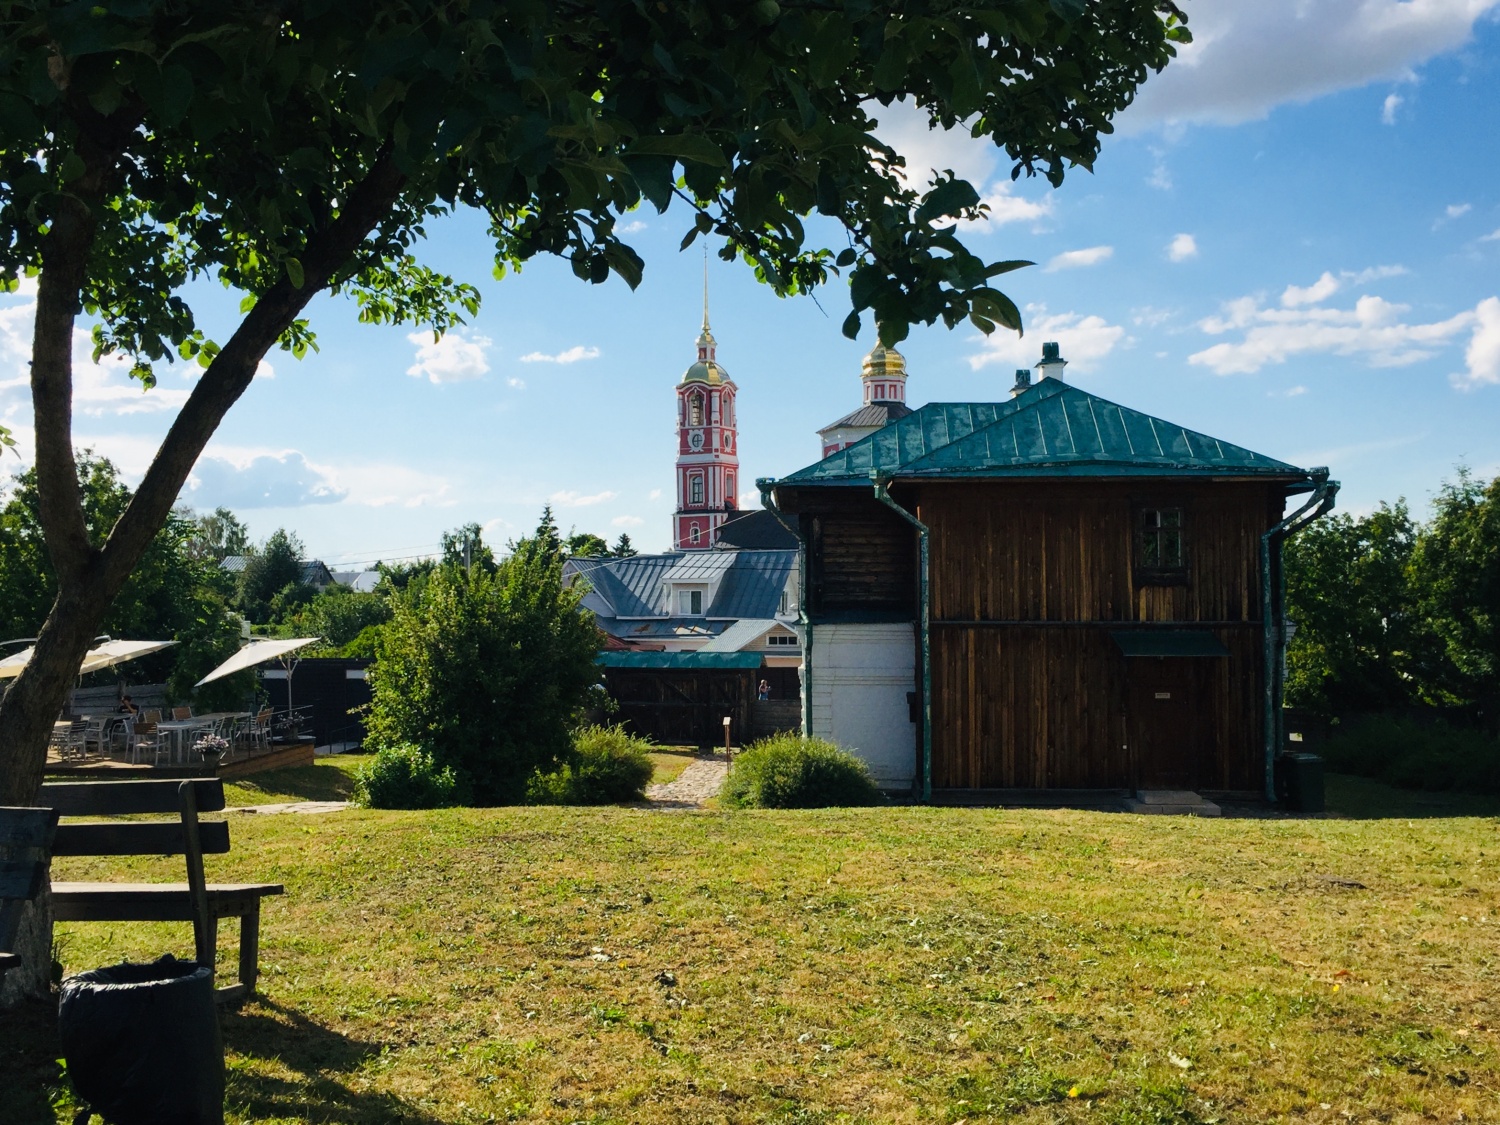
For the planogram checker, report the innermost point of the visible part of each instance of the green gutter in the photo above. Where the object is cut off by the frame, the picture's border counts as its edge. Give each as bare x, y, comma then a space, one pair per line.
882, 494
767, 486
1273, 612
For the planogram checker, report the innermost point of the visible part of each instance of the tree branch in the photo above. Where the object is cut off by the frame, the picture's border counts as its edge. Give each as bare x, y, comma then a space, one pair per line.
231, 372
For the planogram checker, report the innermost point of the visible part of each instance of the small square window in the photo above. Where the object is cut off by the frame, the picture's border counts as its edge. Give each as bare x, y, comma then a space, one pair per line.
1161, 552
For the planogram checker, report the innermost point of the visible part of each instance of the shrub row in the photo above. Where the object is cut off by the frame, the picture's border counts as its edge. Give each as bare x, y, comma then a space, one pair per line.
1406, 754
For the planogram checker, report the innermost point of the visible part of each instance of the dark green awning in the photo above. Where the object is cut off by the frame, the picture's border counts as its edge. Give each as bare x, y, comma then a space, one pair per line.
680, 660
1169, 642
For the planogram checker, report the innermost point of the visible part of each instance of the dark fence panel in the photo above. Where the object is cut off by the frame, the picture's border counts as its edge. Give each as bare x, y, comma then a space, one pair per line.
326, 685
681, 707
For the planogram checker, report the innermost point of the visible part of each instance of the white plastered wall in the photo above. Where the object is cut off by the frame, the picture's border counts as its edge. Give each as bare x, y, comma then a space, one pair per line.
861, 675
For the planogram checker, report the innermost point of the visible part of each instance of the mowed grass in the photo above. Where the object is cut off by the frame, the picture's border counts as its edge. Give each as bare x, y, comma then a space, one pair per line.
329, 778
669, 762
876, 965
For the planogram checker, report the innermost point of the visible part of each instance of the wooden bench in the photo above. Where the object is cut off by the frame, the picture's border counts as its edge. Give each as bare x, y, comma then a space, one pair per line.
195, 901
21, 875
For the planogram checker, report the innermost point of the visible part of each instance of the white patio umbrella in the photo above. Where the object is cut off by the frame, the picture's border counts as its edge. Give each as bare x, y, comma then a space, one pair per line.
106, 655
258, 652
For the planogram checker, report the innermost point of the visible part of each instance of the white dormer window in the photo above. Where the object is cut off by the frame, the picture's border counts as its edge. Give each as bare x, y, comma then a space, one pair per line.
690, 603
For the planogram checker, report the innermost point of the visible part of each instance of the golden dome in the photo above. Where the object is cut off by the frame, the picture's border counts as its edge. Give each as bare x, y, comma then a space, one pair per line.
884, 363
705, 371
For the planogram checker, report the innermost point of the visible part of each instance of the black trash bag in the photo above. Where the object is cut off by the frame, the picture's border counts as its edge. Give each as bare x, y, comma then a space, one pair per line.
142, 1043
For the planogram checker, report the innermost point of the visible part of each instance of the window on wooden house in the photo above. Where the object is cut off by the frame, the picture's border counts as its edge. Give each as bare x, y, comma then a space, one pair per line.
781, 639
1161, 552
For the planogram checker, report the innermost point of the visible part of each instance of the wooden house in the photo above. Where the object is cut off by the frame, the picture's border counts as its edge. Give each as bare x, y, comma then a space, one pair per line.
1050, 593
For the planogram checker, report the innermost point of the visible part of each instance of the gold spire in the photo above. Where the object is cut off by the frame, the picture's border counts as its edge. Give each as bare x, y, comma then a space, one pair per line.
706, 332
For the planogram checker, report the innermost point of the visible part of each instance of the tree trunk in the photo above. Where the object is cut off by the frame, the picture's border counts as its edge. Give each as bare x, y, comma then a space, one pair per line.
90, 577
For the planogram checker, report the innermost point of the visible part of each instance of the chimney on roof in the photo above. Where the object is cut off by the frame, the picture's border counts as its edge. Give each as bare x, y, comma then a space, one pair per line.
1023, 382
1051, 365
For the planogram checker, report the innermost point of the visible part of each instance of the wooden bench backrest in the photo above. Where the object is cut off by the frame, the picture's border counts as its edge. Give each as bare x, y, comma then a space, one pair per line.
184, 837
22, 830
121, 798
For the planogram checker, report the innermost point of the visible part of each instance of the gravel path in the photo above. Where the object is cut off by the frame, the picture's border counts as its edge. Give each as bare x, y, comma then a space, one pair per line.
694, 785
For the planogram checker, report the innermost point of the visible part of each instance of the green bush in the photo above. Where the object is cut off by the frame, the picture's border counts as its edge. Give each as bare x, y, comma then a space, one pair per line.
1403, 753
607, 767
404, 777
788, 771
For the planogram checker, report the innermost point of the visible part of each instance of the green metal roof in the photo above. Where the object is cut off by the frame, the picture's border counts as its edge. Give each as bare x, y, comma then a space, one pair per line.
1052, 429
695, 661
1169, 642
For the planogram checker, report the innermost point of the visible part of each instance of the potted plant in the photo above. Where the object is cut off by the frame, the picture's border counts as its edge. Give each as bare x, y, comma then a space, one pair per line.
212, 748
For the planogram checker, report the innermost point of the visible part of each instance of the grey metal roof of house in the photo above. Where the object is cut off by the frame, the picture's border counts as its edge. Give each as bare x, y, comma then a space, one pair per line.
758, 530
313, 570
872, 414
749, 582
1052, 429
743, 632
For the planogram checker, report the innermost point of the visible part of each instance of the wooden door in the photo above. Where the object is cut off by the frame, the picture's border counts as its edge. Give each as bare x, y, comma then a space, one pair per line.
1166, 721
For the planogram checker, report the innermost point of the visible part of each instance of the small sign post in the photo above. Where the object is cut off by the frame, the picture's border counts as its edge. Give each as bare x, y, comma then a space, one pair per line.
728, 754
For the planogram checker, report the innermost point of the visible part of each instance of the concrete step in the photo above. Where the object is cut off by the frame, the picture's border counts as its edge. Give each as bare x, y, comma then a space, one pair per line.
1170, 802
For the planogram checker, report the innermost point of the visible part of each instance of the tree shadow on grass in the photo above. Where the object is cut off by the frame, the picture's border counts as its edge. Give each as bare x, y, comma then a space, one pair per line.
29, 1074
322, 1059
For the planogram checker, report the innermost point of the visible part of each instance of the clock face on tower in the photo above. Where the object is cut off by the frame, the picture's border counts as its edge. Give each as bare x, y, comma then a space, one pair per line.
695, 439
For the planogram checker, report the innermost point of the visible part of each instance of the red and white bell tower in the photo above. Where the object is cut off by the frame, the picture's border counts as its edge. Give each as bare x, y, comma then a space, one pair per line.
708, 464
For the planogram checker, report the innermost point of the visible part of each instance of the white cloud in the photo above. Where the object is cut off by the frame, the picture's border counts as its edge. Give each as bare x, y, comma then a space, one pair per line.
1373, 330
456, 357
1493, 236
1247, 58
1388, 110
626, 521
1161, 175
654, 494
635, 226
1320, 290
571, 499
1457, 210
1148, 316
516, 384
1005, 207
263, 370
1292, 392
1077, 259
1182, 247
98, 388
1482, 356
1374, 273
572, 355
284, 480
1084, 340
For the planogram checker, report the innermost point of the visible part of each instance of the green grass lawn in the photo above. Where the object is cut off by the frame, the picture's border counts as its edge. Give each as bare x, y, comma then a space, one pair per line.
875, 965
670, 761
329, 778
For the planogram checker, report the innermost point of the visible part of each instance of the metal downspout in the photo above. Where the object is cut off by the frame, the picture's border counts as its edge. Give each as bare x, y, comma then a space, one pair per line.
1272, 609
882, 494
767, 486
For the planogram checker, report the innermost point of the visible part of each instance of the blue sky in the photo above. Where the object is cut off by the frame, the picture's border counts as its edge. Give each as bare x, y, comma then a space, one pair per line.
1292, 242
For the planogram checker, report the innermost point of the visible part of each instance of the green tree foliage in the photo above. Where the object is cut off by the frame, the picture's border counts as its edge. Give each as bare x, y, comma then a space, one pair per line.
1391, 611
345, 619
623, 548
218, 535
465, 547
1457, 570
585, 545
271, 584
1360, 638
487, 673
173, 593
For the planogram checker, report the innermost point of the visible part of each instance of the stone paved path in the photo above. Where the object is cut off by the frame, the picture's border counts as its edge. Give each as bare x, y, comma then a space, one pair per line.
694, 785
302, 807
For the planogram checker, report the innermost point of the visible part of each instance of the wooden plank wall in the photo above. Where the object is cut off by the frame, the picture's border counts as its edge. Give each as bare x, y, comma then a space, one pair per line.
862, 556
1028, 580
